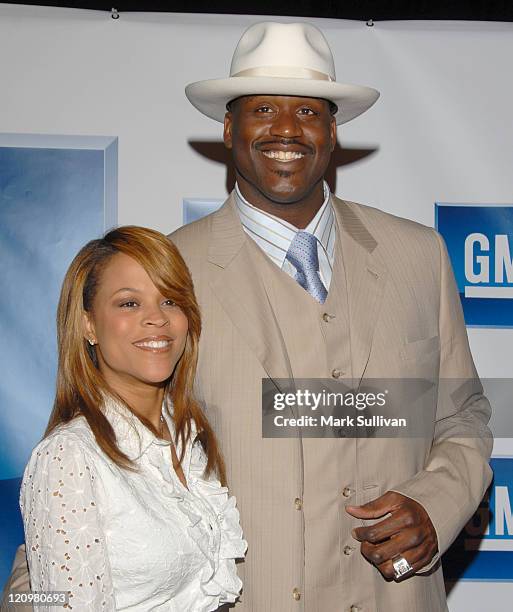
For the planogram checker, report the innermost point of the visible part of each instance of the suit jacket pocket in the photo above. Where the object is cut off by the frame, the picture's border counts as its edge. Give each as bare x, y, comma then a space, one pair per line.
420, 348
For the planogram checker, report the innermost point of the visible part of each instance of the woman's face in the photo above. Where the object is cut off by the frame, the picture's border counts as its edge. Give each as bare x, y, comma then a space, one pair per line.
139, 334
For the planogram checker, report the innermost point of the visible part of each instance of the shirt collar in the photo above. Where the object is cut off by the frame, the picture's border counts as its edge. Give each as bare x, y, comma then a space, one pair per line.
275, 235
132, 437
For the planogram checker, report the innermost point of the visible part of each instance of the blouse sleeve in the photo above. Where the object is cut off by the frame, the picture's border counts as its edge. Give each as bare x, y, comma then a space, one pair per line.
63, 535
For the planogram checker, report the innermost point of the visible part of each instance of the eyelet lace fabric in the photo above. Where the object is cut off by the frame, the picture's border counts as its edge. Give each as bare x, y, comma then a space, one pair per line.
121, 540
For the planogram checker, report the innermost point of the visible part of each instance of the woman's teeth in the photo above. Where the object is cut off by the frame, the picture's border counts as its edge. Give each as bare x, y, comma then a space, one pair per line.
154, 344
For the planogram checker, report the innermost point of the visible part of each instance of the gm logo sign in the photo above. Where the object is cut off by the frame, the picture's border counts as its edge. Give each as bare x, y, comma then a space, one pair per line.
480, 244
484, 549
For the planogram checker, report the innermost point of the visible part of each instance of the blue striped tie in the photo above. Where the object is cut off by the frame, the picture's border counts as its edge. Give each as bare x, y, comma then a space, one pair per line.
302, 254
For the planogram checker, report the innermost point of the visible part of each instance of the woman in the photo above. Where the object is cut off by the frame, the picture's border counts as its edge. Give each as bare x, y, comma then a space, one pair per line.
122, 501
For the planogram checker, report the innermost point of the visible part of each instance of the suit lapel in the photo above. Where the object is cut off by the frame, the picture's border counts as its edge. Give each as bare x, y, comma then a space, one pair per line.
236, 281
366, 278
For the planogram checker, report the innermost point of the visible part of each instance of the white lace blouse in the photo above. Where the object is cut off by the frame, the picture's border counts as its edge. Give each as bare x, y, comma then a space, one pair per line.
121, 540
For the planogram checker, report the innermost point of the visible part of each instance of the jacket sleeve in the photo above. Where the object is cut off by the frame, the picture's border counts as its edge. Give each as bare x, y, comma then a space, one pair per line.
17, 581
65, 543
457, 473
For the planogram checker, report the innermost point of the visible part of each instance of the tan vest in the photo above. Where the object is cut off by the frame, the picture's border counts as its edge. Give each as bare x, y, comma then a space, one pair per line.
317, 342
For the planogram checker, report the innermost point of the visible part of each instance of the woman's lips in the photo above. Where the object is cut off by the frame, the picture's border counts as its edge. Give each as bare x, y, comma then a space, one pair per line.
154, 345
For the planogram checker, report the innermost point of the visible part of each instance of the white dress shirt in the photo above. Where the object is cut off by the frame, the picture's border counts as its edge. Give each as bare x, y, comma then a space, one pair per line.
274, 235
128, 540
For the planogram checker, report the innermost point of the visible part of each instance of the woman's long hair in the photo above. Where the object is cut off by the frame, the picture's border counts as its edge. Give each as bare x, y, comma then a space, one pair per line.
81, 387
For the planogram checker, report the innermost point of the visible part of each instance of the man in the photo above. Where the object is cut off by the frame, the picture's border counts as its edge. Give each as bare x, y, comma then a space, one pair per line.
295, 283
356, 293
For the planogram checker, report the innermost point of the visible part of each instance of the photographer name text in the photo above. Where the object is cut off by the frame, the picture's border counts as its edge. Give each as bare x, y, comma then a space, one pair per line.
331, 421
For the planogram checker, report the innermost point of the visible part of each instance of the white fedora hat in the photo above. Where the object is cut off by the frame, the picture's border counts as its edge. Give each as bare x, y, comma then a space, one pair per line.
287, 59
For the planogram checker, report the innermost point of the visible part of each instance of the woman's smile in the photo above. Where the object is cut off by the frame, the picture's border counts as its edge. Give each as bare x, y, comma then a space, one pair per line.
154, 344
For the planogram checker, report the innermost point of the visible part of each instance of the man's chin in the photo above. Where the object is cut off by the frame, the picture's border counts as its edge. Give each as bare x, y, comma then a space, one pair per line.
285, 196
280, 190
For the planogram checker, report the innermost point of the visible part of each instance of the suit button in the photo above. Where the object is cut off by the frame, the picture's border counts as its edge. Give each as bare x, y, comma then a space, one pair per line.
348, 550
343, 433
336, 373
355, 609
347, 491
296, 594
327, 317
298, 503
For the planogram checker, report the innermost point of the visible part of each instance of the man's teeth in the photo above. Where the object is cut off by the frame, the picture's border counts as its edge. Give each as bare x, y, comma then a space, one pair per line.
154, 344
283, 155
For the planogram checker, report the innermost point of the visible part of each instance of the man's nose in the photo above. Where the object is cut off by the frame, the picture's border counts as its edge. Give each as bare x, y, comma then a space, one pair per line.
286, 125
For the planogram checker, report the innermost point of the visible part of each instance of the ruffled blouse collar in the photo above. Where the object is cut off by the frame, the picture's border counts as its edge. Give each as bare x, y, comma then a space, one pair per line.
132, 437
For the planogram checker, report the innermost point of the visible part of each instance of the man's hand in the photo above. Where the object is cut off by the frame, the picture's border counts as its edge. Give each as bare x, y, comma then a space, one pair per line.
407, 532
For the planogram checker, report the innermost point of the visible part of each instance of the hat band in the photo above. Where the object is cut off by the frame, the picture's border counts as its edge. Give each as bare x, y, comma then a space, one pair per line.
290, 72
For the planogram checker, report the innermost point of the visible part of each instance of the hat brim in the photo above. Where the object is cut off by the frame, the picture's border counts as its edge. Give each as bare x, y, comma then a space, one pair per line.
211, 97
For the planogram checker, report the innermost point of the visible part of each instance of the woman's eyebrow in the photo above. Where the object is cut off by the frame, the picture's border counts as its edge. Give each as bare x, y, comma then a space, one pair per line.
126, 289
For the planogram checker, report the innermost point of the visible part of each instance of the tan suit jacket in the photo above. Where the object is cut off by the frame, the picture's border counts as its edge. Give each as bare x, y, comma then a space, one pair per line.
405, 320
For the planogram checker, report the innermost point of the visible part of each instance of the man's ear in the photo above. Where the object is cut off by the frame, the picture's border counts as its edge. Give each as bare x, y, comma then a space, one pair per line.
227, 134
89, 331
333, 133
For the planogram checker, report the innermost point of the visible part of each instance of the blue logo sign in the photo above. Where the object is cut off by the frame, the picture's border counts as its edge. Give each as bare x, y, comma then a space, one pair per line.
480, 244
484, 549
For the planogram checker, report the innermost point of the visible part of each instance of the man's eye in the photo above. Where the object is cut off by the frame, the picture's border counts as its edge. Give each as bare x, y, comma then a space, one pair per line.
263, 109
307, 111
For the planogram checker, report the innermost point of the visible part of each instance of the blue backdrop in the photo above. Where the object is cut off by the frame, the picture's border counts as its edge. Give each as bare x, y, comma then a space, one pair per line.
56, 193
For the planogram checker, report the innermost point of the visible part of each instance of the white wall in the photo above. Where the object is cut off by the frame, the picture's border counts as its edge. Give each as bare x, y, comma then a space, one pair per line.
442, 129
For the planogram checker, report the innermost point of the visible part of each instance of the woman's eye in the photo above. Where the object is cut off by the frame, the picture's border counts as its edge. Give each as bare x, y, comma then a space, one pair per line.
128, 304
170, 303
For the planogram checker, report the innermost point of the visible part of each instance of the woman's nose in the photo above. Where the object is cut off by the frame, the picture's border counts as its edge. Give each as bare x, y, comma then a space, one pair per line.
156, 317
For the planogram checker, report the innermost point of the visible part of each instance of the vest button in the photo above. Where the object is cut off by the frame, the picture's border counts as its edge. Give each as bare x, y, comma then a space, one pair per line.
347, 491
296, 594
348, 550
336, 373
298, 503
327, 317
355, 609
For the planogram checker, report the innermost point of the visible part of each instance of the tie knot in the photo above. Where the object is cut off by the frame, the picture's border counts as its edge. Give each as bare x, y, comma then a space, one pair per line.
302, 252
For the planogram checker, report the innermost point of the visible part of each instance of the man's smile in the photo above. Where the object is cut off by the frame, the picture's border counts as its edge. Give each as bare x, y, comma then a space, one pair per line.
284, 156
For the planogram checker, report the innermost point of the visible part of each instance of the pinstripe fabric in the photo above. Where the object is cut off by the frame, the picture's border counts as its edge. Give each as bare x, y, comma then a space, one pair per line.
274, 235
405, 320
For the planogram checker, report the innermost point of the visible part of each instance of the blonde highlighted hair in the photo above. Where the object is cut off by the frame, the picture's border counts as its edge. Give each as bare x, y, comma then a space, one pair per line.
80, 384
